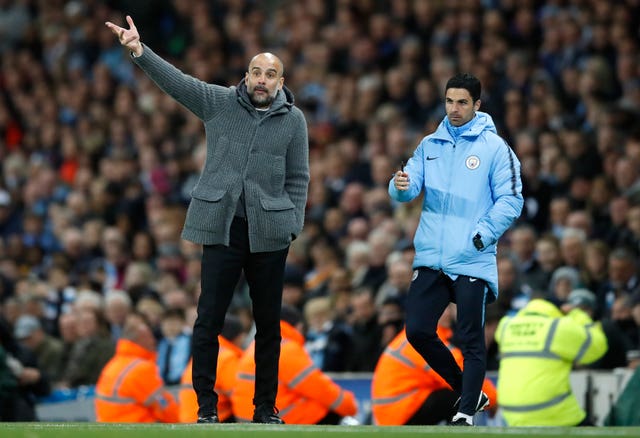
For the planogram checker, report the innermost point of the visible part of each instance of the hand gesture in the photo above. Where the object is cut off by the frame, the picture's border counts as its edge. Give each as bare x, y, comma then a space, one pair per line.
401, 180
130, 38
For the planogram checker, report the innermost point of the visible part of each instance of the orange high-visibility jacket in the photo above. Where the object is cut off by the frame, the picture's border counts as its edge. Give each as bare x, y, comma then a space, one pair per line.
228, 358
305, 394
130, 389
402, 380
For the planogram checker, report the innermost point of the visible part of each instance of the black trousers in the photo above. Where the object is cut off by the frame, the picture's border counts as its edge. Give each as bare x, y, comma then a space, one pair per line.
330, 418
221, 269
436, 408
430, 293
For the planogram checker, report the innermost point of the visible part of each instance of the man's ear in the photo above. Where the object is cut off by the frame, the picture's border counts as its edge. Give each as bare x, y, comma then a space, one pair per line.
476, 105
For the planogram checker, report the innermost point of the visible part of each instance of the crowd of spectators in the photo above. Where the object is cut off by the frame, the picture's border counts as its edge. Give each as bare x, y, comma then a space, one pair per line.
97, 164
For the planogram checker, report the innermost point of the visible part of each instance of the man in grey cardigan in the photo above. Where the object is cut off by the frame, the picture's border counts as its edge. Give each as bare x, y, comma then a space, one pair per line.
246, 208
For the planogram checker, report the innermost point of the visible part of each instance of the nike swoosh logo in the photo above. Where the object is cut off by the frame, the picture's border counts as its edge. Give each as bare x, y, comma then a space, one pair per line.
472, 279
431, 158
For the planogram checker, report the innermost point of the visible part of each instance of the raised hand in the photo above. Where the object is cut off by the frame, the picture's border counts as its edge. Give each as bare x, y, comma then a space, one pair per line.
130, 38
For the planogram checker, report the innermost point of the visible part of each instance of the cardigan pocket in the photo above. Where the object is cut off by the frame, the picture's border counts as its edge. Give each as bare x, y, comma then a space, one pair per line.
278, 219
204, 194
276, 204
206, 210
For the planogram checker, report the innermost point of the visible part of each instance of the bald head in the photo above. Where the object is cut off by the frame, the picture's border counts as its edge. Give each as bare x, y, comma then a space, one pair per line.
264, 79
268, 59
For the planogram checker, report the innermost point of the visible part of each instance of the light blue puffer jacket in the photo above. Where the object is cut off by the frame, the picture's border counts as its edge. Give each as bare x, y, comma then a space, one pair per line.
472, 185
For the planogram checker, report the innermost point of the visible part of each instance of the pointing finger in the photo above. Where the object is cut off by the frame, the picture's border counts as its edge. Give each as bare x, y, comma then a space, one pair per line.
130, 21
115, 29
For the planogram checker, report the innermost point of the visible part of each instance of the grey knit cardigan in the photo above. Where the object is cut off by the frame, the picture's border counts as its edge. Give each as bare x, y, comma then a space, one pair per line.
267, 155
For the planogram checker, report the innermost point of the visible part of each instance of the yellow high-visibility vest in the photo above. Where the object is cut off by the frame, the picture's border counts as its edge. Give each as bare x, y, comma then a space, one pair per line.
538, 348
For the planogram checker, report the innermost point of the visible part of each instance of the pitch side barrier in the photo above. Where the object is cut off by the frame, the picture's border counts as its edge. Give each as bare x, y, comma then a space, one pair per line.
596, 391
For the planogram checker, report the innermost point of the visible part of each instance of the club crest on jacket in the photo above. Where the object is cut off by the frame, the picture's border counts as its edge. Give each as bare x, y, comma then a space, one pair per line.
472, 162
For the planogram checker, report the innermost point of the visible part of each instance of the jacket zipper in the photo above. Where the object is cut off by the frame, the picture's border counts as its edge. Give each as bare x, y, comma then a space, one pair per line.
447, 201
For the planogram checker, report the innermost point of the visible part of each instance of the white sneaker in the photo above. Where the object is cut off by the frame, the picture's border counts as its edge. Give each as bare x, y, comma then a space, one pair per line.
349, 421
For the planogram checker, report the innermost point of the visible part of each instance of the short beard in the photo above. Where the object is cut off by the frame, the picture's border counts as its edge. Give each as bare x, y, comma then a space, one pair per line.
261, 102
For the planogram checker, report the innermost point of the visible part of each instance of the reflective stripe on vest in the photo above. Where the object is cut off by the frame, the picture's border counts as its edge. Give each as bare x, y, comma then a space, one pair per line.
338, 401
395, 398
395, 353
149, 401
552, 332
114, 397
246, 376
115, 400
285, 411
585, 346
301, 376
535, 407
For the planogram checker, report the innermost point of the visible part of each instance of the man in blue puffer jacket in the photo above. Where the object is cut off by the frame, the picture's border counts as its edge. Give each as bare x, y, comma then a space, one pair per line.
472, 193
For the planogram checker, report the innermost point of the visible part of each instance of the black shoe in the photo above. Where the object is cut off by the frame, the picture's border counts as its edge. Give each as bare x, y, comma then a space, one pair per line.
459, 422
208, 419
483, 403
267, 415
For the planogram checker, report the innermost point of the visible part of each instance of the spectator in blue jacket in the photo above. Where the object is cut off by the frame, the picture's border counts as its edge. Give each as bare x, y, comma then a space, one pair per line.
472, 193
174, 349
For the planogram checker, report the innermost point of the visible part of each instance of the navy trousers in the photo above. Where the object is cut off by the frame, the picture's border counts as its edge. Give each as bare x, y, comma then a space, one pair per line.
221, 268
430, 293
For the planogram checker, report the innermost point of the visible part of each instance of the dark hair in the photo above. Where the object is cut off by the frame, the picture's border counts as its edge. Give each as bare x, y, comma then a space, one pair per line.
130, 329
174, 313
290, 315
468, 82
232, 327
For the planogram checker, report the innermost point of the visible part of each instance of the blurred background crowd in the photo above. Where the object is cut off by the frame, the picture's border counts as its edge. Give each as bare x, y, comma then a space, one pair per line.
97, 166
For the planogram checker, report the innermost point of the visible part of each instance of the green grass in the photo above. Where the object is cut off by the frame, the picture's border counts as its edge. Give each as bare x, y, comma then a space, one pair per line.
96, 430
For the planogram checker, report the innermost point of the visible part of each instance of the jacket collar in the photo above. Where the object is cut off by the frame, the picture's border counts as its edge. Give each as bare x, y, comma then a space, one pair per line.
472, 129
283, 102
289, 333
126, 347
224, 343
